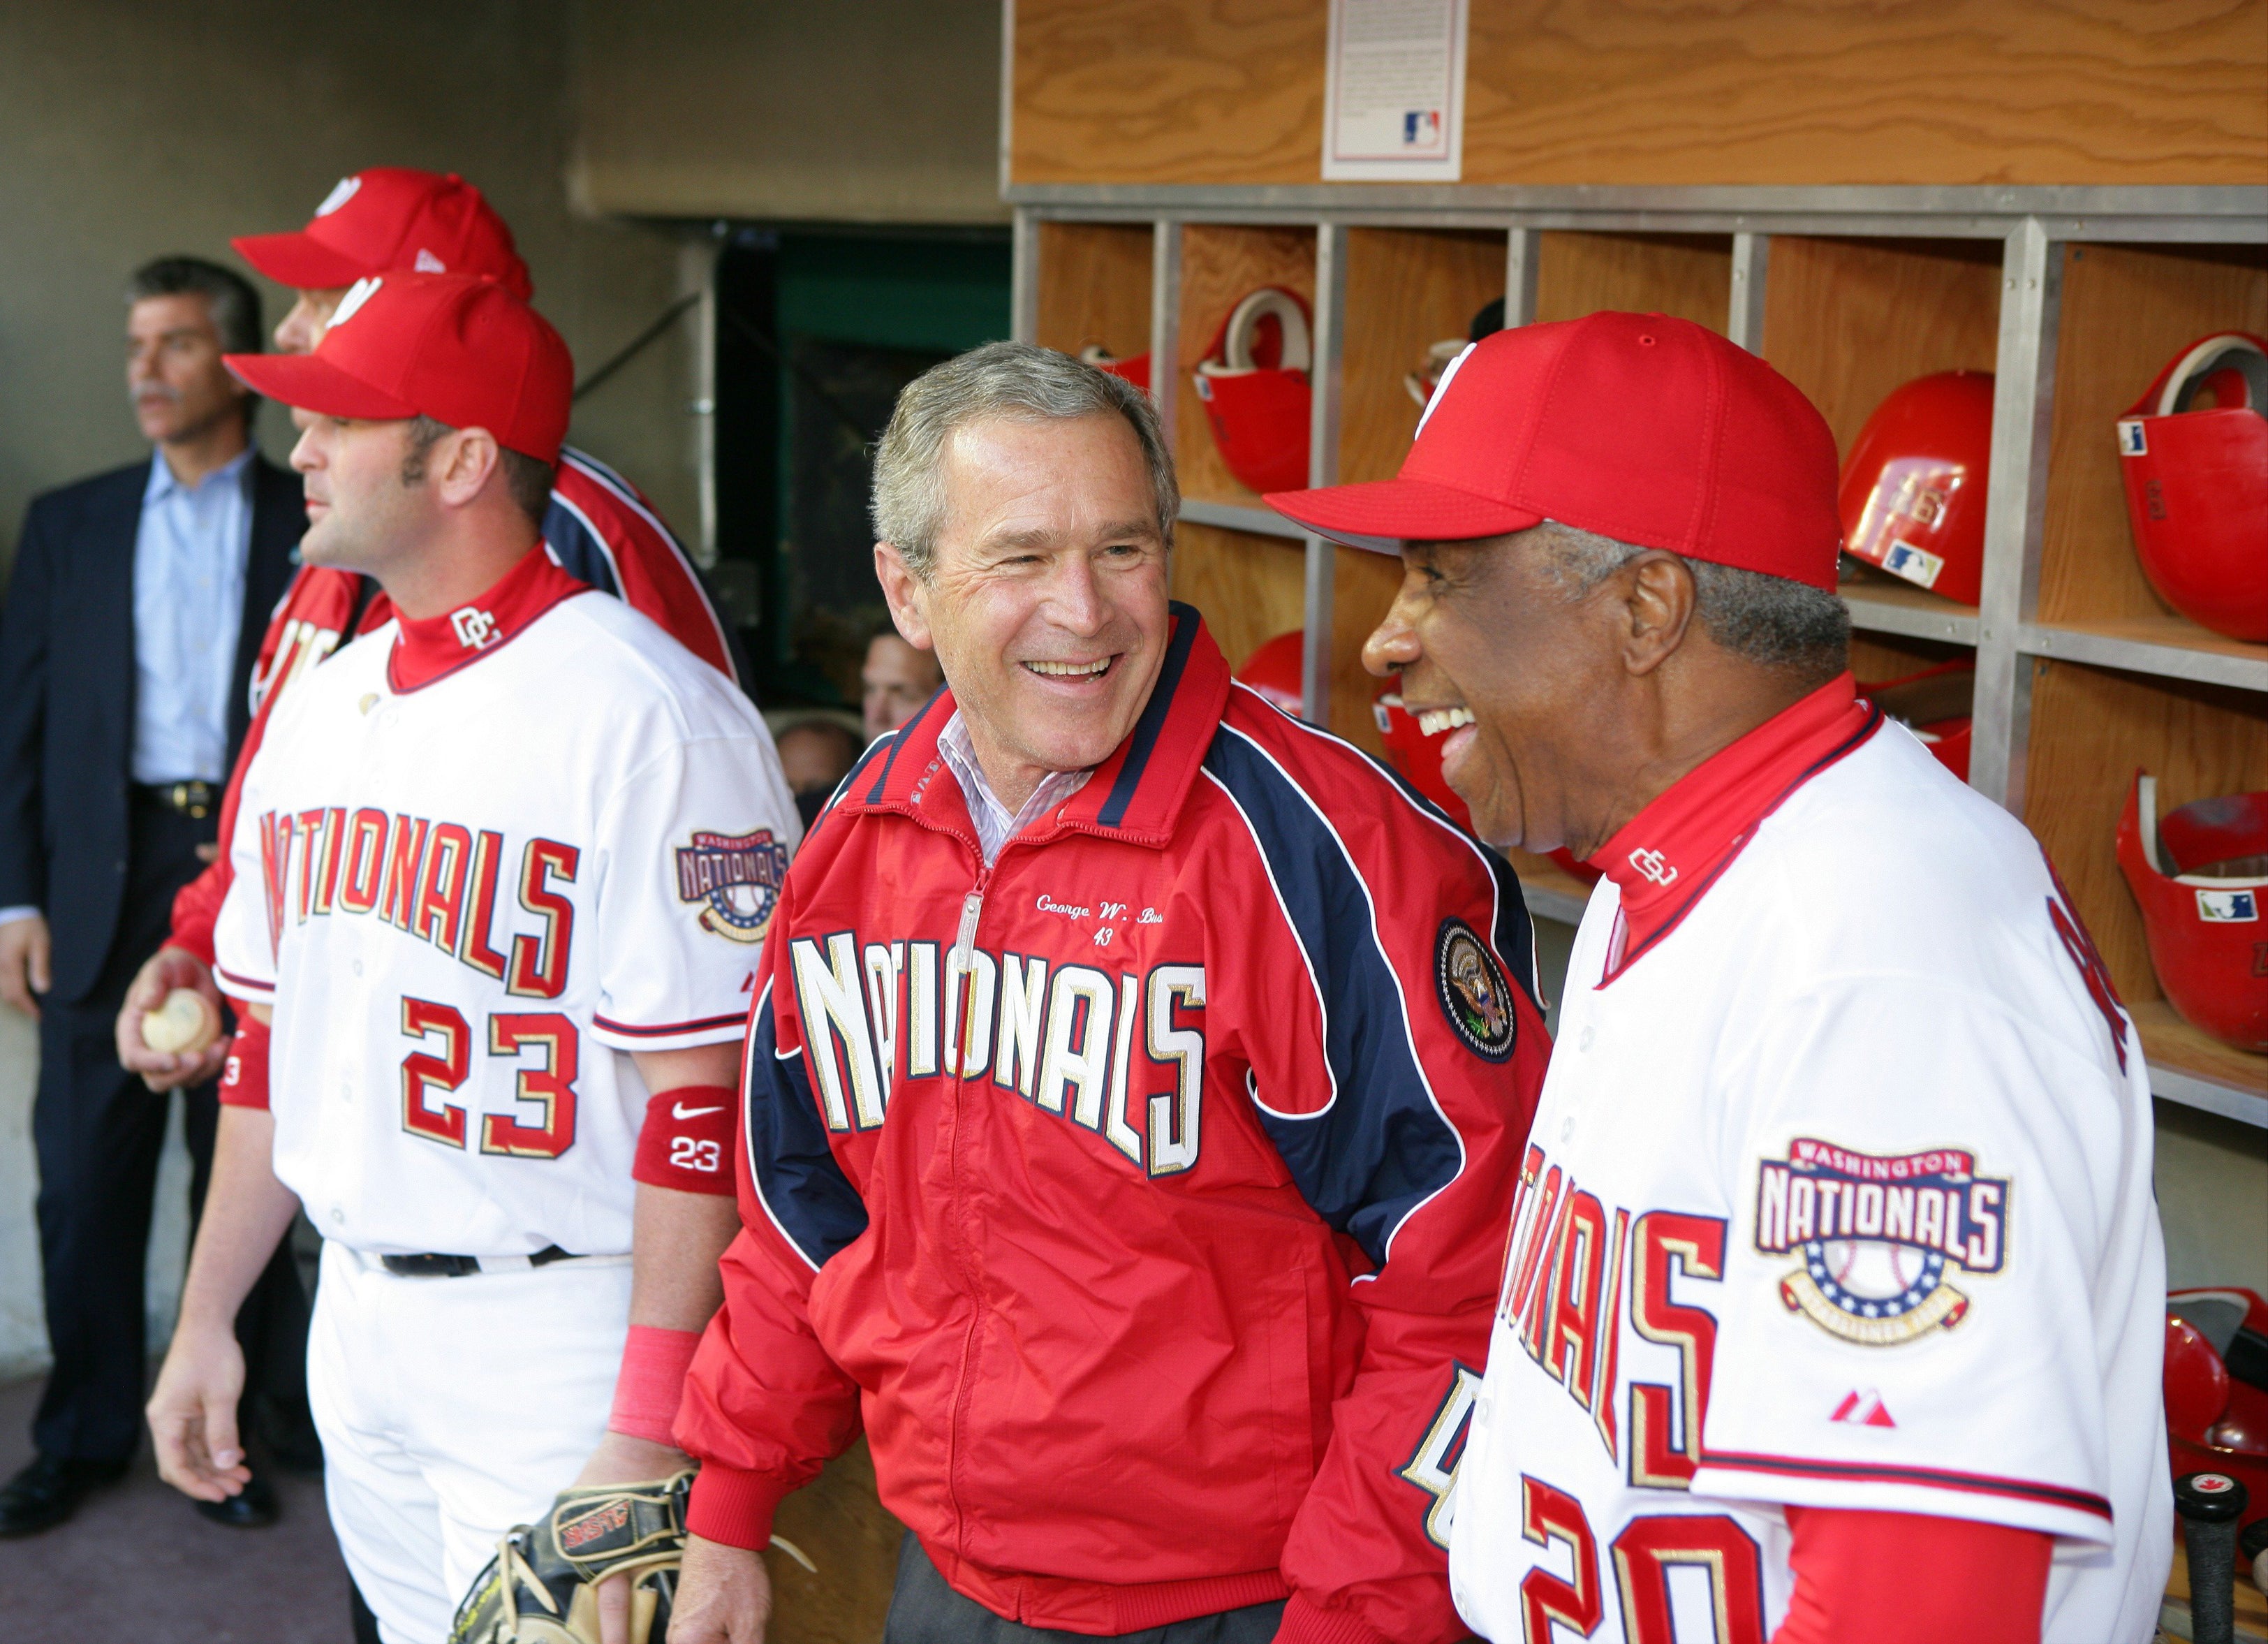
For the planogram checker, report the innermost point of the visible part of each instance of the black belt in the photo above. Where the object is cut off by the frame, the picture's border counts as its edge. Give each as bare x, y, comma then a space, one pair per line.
430, 1265
192, 798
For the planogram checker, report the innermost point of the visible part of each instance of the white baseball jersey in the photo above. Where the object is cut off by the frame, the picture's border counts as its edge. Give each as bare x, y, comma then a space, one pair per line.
1838, 1196
472, 866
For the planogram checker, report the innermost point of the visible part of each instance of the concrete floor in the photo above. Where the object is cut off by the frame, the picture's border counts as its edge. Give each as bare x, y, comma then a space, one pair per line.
137, 1566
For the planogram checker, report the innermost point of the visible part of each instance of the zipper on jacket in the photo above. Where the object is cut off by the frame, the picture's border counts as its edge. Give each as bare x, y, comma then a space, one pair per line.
964, 944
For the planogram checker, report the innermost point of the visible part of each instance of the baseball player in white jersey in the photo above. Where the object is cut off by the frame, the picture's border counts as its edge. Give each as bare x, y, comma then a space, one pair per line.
504, 868
1833, 1300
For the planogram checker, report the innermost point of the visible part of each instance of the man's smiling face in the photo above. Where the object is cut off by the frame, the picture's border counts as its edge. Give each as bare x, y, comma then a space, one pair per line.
1046, 604
1490, 646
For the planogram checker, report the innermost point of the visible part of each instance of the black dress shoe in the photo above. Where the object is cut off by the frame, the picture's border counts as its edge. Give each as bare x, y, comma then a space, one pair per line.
253, 1507
48, 1490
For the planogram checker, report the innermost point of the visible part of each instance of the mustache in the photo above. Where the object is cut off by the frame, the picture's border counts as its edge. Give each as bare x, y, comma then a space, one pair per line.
158, 391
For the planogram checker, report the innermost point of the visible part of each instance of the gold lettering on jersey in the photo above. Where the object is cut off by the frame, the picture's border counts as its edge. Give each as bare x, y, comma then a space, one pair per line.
1574, 1273
298, 648
1076, 1042
437, 883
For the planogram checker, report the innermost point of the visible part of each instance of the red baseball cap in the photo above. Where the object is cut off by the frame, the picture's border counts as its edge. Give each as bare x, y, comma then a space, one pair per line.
462, 351
386, 219
1641, 427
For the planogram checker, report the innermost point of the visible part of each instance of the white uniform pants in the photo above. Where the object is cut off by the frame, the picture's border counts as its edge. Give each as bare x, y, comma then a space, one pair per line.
452, 1410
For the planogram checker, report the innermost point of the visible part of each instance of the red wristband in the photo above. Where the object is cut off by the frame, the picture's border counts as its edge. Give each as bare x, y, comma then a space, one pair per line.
244, 1076
651, 1382
687, 1140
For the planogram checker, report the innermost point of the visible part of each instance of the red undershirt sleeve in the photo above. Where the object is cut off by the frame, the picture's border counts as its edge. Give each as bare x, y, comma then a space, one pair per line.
1906, 1578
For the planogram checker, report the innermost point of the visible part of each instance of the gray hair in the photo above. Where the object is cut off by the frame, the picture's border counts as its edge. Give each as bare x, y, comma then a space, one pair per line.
1011, 379
229, 297
1769, 619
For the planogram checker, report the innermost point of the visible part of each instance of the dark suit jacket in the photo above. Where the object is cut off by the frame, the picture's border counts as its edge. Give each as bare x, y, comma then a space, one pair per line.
67, 698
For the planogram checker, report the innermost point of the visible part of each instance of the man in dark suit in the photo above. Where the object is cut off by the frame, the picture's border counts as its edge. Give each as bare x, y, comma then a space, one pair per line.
126, 647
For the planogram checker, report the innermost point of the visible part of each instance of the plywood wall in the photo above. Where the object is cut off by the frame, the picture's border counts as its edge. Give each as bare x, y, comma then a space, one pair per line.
1667, 91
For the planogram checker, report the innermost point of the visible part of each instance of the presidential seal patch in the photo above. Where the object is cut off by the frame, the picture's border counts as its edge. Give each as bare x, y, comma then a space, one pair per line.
1877, 1234
1475, 996
735, 878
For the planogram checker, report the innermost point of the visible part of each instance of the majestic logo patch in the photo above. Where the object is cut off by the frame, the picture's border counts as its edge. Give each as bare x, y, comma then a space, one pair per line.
736, 876
1474, 994
1863, 1409
1877, 1234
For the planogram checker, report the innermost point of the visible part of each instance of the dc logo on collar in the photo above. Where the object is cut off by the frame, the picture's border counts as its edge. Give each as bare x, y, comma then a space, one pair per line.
1653, 866
475, 629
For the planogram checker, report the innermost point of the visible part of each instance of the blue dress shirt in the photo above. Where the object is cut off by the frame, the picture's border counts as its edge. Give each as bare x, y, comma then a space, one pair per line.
189, 557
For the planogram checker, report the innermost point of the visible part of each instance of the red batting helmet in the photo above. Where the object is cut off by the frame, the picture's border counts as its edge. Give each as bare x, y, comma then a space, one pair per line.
1273, 670
2216, 1382
2196, 483
2200, 876
1135, 370
1934, 704
1912, 493
1254, 383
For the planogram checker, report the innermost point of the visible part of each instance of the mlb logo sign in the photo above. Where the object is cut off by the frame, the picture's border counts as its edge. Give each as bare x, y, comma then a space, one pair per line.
2229, 907
2132, 442
1915, 564
1421, 129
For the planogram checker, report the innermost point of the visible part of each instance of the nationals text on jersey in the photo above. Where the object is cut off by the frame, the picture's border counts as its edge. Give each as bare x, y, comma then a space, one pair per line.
1563, 1299
439, 881
1063, 1040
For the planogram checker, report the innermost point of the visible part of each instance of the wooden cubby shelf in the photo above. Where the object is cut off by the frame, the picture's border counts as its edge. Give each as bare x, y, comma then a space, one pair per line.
2074, 297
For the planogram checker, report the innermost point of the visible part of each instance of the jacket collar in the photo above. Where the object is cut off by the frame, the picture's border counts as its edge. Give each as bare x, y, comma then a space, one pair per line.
1135, 795
433, 647
1665, 859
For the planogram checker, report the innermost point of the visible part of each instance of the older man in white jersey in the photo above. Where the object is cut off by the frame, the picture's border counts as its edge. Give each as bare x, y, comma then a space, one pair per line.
1834, 1297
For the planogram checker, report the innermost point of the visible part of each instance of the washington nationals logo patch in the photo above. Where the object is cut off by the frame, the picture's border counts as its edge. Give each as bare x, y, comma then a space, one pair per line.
1878, 1234
736, 878
1474, 995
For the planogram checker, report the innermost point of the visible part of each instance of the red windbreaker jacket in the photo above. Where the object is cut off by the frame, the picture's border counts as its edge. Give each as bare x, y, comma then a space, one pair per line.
600, 527
1143, 1195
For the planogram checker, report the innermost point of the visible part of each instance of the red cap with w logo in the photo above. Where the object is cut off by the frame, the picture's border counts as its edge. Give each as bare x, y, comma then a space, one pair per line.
390, 219
462, 351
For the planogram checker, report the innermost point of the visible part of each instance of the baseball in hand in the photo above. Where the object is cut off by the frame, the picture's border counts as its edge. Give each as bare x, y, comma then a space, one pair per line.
183, 1025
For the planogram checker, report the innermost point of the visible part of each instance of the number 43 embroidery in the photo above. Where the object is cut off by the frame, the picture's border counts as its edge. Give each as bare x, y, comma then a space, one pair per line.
1433, 1467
